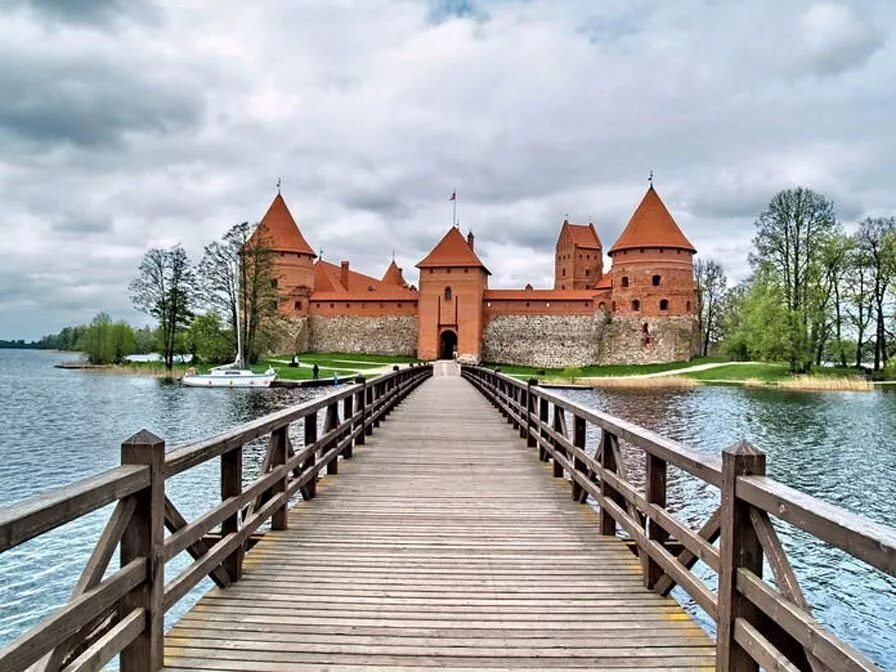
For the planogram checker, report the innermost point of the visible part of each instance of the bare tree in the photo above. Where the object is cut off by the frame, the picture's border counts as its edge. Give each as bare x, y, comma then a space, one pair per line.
789, 238
164, 289
712, 287
876, 242
859, 299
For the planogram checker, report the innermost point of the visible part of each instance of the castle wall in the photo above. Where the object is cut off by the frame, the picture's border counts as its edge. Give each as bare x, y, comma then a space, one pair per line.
323, 305
550, 341
373, 335
666, 339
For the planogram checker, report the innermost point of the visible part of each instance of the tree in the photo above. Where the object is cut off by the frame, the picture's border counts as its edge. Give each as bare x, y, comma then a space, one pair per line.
107, 342
208, 340
757, 323
712, 286
789, 241
876, 244
237, 274
164, 289
835, 260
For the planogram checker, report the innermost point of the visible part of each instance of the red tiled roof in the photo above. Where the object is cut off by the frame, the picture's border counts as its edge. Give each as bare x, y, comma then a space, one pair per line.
452, 251
583, 235
539, 294
651, 225
328, 284
393, 276
279, 230
605, 282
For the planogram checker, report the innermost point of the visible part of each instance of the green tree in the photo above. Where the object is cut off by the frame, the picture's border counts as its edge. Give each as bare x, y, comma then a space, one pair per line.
107, 342
789, 242
757, 322
164, 289
712, 286
876, 243
208, 339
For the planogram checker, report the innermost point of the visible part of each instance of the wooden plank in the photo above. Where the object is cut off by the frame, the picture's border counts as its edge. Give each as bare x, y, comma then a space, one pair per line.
111, 644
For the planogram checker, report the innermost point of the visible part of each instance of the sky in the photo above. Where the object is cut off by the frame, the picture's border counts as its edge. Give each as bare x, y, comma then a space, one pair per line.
126, 126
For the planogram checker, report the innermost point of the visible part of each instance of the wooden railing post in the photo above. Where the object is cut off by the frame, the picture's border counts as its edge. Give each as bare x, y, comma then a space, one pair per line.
531, 441
144, 537
739, 547
379, 391
362, 409
232, 486
368, 407
279, 449
608, 445
522, 408
310, 488
579, 432
543, 420
655, 477
559, 425
331, 422
348, 410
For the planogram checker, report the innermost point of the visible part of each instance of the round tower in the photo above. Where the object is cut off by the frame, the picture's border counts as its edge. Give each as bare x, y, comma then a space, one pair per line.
653, 264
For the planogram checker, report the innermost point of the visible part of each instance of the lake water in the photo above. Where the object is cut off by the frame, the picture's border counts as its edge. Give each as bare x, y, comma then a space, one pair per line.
58, 426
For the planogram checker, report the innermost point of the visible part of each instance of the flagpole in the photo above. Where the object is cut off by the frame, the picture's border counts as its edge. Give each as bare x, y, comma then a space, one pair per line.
454, 214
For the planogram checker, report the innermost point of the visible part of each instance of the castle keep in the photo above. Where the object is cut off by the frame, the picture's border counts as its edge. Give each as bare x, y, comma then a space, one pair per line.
641, 311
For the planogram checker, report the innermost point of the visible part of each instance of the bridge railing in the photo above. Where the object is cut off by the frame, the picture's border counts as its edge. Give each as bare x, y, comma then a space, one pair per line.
122, 613
758, 624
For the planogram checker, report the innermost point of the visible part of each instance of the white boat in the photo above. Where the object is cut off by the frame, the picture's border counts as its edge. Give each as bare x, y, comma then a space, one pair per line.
224, 376
231, 375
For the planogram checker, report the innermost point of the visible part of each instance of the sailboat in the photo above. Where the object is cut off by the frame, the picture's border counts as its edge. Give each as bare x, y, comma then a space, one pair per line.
233, 374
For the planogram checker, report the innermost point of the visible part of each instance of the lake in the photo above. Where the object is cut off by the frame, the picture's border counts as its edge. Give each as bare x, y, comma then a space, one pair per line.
61, 425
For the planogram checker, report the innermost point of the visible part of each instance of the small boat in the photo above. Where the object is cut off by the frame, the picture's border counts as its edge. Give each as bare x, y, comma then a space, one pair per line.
224, 376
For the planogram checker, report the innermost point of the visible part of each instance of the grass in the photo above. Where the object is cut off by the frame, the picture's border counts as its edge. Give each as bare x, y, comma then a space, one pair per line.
766, 374
600, 371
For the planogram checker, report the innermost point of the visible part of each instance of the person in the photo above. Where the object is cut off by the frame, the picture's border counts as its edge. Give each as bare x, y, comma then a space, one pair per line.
315, 371
295, 362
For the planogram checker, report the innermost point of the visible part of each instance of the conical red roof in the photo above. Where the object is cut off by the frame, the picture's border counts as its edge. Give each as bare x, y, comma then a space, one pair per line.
279, 230
651, 225
452, 251
393, 276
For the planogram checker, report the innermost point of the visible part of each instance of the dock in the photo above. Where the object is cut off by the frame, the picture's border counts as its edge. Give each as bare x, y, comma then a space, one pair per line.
438, 517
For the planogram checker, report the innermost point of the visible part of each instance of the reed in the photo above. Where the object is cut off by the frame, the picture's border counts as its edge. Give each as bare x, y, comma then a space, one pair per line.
831, 383
628, 382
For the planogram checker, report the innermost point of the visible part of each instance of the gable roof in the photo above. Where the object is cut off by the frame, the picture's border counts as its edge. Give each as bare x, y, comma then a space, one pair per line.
452, 251
393, 276
582, 235
280, 231
651, 225
328, 282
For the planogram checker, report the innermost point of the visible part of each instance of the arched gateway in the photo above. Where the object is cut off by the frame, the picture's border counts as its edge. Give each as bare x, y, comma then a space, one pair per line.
447, 344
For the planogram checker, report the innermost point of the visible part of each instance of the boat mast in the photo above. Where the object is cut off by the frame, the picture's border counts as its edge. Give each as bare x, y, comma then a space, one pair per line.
239, 330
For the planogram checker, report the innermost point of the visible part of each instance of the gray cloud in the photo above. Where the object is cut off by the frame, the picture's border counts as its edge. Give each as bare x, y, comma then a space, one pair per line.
123, 129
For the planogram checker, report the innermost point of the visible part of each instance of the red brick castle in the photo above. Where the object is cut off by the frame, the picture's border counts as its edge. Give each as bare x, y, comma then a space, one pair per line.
641, 310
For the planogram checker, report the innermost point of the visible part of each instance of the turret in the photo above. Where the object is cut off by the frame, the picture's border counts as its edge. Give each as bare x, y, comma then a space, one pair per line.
578, 257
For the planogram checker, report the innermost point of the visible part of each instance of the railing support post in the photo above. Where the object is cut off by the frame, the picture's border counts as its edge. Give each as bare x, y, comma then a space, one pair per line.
331, 422
310, 488
531, 441
608, 445
361, 439
543, 420
739, 547
144, 537
559, 426
279, 449
232, 486
655, 476
348, 410
368, 407
579, 432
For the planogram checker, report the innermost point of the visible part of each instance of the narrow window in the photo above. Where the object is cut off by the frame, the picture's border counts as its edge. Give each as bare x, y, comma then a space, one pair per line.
656, 280
636, 305
688, 306
614, 305
564, 272
448, 294
274, 283
587, 272
664, 304
298, 305
625, 281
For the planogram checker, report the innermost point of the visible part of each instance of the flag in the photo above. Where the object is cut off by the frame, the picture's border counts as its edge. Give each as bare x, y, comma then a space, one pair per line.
453, 196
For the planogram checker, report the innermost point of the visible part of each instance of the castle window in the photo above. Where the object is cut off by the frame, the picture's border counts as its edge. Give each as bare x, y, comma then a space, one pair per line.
399, 304
547, 304
587, 272
601, 305
664, 304
332, 305
298, 305
564, 272
614, 305
656, 280
448, 270
466, 270
636, 305
642, 250
274, 283
688, 306
448, 294
347, 306
625, 281
318, 305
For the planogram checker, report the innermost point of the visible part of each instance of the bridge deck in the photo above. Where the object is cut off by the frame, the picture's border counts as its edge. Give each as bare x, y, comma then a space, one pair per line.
444, 543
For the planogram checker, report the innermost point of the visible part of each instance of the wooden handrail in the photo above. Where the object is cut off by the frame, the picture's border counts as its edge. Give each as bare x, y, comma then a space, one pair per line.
757, 624
123, 614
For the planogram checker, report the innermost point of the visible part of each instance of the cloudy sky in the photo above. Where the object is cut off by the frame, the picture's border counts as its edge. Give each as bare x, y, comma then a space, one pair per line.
129, 125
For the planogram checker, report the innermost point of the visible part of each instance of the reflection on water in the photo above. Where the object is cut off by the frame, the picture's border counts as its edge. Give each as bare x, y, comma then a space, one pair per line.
58, 426
838, 446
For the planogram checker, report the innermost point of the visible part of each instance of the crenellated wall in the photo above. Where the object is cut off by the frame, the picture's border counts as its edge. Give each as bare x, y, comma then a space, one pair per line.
551, 341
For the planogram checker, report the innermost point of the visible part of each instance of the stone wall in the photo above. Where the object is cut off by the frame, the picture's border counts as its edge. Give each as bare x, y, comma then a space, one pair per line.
667, 339
550, 341
387, 335
291, 335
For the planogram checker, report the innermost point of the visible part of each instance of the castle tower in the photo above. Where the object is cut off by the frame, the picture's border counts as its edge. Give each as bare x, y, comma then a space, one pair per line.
453, 281
653, 264
578, 258
293, 257
393, 276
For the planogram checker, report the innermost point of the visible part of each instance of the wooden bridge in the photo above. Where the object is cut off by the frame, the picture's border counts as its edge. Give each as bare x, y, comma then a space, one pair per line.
449, 539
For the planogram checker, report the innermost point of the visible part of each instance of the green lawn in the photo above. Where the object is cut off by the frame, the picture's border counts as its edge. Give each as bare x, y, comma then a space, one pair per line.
599, 371
767, 373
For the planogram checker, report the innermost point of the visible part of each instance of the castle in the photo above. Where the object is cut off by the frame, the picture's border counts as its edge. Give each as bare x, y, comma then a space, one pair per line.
641, 311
